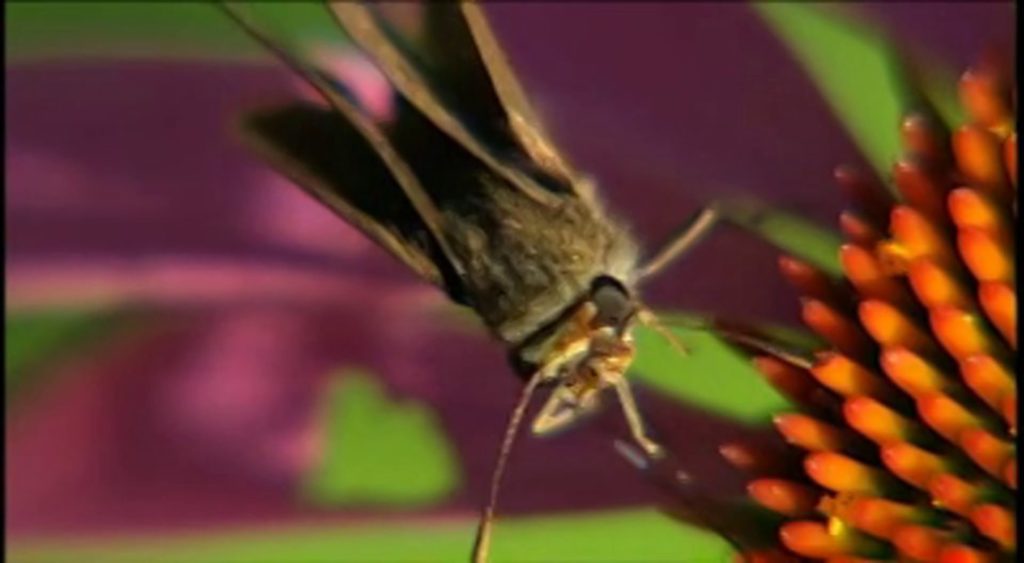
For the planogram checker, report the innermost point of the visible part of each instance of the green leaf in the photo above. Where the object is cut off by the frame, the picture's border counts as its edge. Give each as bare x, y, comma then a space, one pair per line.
940, 87
146, 30
35, 340
626, 535
621, 535
792, 233
853, 68
379, 451
712, 375
803, 239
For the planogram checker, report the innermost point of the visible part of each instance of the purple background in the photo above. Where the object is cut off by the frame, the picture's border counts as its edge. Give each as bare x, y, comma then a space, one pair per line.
123, 186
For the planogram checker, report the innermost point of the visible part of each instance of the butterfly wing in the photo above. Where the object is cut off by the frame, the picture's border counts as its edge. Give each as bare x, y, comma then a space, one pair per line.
461, 65
346, 161
466, 54
321, 152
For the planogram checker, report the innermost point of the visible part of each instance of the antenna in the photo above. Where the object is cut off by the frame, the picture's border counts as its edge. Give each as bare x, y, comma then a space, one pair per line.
482, 544
688, 235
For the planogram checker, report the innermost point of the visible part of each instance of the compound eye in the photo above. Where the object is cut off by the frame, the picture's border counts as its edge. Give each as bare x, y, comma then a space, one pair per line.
614, 307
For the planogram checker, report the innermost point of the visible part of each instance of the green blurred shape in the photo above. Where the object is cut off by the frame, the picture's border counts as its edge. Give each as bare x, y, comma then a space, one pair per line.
624, 535
34, 340
147, 30
803, 239
379, 452
608, 536
790, 232
712, 375
852, 66
940, 88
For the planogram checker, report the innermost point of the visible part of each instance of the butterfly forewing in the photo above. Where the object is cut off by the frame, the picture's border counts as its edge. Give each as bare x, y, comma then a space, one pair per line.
464, 54
322, 152
280, 142
425, 92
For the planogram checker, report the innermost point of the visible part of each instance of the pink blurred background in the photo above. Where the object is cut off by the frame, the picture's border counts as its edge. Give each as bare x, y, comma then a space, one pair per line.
124, 189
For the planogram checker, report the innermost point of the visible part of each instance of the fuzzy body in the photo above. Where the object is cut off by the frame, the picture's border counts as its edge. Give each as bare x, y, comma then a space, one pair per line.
527, 261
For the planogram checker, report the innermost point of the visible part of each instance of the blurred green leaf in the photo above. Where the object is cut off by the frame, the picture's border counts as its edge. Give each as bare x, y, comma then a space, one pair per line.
146, 30
803, 239
36, 339
372, 445
940, 87
623, 535
712, 375
853, 68
790, 232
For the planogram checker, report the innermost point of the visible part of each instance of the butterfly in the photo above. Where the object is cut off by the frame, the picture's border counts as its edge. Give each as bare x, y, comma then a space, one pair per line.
465, 186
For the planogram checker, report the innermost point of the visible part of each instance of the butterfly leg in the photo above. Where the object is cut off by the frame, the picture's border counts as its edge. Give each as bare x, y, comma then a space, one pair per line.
633, 419
564, 408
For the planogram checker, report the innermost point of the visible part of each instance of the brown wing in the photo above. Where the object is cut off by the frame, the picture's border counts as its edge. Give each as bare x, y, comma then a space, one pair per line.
323, 154
467, 55
493, 121
344, 160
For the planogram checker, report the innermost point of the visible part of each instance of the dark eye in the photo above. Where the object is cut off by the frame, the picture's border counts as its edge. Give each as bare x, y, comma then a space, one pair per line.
613, 304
